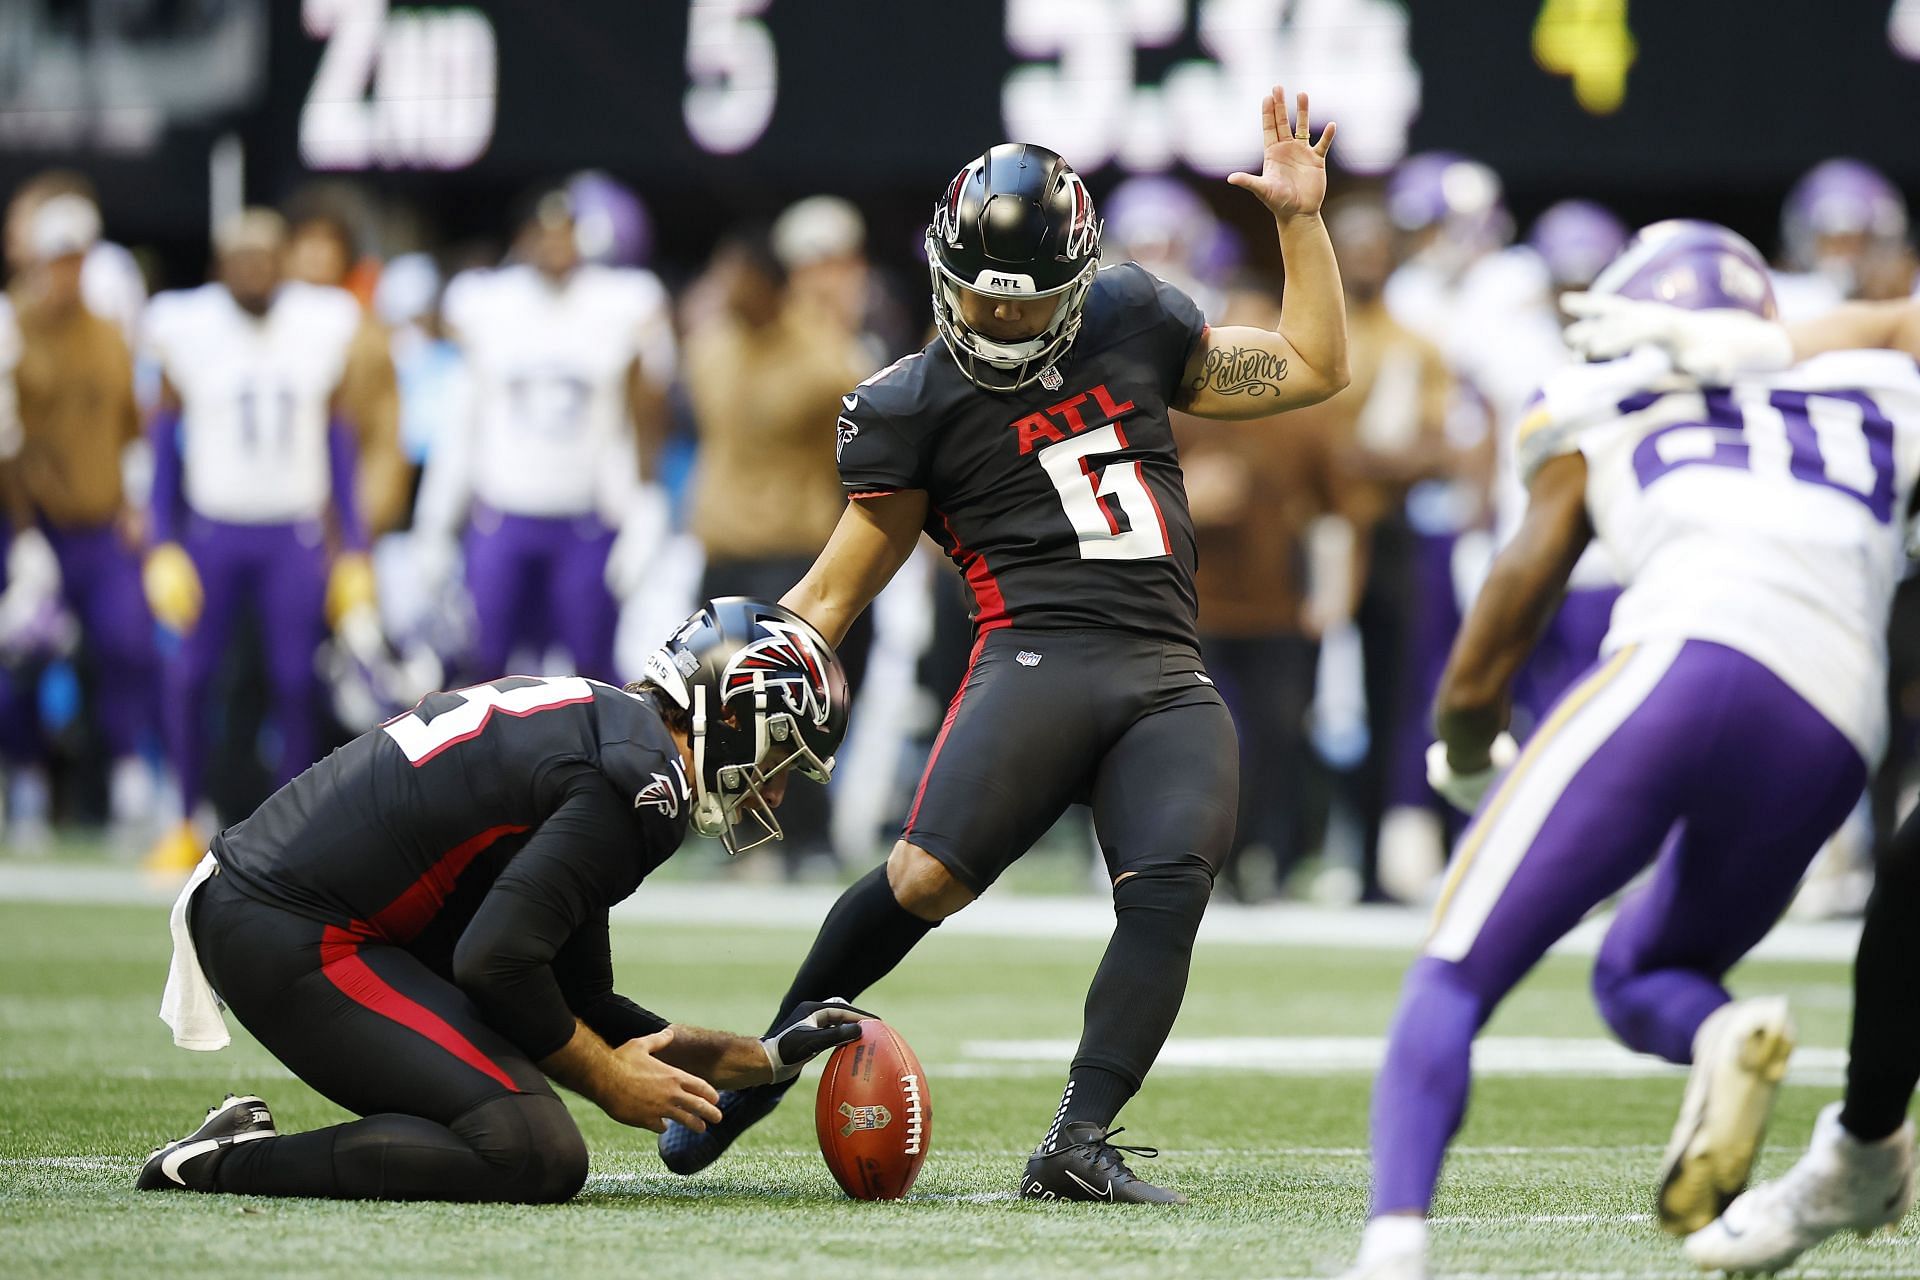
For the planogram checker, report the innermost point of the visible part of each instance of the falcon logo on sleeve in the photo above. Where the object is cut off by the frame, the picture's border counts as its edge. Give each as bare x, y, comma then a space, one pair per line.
787, 659
661, 794
844, 433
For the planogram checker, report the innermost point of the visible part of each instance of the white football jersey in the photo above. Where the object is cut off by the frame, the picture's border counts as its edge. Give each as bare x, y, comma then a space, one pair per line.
255, 394
551, 434
1770, 516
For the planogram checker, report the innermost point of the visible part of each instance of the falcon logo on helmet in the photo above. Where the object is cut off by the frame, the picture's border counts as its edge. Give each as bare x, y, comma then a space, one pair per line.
786, 660
764, 696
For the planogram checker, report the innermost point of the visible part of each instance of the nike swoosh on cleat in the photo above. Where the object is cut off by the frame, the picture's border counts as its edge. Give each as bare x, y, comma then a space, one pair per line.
1089, 1187
170, 1164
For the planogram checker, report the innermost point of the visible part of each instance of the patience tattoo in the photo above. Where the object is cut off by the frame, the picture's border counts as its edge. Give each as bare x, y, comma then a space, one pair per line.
1240, 371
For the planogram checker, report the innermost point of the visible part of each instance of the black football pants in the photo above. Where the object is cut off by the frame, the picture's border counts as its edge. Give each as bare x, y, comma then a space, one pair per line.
451, 1110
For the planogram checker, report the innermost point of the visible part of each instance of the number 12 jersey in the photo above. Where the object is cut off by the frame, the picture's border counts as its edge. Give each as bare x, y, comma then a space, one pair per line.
1061, 502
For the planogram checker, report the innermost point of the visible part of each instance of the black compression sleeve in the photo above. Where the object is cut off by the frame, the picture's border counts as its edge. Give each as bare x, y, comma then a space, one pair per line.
584, 969
580, 861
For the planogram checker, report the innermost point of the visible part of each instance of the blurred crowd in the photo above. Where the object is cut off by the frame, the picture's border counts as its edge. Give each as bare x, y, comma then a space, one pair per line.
246, 520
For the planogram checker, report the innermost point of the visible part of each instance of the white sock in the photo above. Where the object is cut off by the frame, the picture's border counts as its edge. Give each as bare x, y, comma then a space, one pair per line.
1393, 1235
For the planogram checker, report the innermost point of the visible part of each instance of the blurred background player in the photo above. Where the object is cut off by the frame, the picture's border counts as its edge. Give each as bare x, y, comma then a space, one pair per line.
1843, 236
1727, 714
764, 378
1390, 432
74, 388
110, 279
1256, 490
321, 250
1565, 249
254, 508
567, 362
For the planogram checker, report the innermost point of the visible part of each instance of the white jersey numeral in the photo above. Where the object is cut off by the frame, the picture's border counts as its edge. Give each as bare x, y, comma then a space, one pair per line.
1084, 493
422, 740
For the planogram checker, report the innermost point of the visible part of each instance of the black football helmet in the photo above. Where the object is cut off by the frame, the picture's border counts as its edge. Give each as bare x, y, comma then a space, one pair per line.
1016, 222
764, 693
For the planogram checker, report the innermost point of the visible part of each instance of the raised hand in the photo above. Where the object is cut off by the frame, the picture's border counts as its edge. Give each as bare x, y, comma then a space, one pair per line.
1293, 170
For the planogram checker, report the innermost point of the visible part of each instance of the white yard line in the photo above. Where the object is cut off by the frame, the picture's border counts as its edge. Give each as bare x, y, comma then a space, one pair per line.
1323, 1055
1394, 929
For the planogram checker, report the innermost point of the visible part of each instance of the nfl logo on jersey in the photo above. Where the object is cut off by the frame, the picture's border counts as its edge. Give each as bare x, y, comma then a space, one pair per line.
1050, 378
1027, 658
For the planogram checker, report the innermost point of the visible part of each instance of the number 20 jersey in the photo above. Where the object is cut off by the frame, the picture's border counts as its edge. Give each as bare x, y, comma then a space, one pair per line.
1770, 516
1061, 502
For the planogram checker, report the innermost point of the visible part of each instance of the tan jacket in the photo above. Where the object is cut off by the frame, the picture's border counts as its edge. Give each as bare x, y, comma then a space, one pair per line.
75, 387
765, 402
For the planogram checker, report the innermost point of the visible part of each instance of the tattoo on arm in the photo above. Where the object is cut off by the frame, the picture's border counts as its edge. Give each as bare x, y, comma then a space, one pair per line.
1240, 371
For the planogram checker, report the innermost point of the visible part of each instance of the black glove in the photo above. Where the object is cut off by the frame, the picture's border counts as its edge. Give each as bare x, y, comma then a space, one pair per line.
817, 1026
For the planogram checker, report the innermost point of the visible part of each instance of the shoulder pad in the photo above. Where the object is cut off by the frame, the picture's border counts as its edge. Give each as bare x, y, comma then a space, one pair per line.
1580, 397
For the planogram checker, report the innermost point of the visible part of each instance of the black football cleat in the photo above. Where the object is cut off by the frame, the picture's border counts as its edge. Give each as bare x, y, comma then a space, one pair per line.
685, 1152
188, 1163
1084, 1165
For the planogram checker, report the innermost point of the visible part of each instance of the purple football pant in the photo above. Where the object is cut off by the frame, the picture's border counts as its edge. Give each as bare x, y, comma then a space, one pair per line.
536, 579
1686, 751
279, 572
100, 581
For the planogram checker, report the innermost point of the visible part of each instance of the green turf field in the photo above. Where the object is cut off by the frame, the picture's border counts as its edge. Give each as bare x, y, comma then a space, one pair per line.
1551, 1178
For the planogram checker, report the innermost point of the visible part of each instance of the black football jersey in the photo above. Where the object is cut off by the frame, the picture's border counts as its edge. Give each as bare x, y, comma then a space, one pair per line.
1062, 502
401, 834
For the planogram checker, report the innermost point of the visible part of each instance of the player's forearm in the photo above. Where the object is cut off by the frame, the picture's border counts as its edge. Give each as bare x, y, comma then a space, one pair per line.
722, 1059
584, 1064
1471, 706
830, 612
1313, 307
1859, 326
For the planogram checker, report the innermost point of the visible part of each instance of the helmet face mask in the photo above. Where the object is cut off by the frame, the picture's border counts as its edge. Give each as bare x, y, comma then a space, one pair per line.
765, 696
1017, 222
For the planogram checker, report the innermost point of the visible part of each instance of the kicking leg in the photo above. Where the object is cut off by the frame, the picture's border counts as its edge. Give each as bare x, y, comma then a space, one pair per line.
989, 791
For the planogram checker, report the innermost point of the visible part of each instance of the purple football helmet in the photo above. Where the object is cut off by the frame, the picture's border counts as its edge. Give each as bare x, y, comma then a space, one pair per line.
610, 222
1576, 238
1839, 198
1443, 188
1696, 265
1161, 222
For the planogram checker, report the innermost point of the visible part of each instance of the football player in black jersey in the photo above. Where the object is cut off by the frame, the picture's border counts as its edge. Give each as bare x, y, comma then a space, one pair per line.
417, 925
1031, 440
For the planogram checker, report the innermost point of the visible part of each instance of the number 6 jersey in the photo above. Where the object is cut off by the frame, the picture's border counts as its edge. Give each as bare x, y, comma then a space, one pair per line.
1770, 516
1062, 502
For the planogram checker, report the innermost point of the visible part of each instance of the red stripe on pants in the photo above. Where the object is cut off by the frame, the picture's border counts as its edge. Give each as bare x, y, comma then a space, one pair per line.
348, 970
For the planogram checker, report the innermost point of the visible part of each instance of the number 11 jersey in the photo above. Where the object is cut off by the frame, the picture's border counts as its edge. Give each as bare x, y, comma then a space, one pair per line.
256, 395
1771, 516
1061, 502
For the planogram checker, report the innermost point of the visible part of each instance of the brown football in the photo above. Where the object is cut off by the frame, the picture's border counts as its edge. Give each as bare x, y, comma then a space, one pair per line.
873, 1114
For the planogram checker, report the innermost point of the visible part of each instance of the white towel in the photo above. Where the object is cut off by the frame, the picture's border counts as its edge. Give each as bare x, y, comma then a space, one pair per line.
189, 1005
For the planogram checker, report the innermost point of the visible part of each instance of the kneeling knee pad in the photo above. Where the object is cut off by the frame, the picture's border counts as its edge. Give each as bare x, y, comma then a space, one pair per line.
533, 1143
